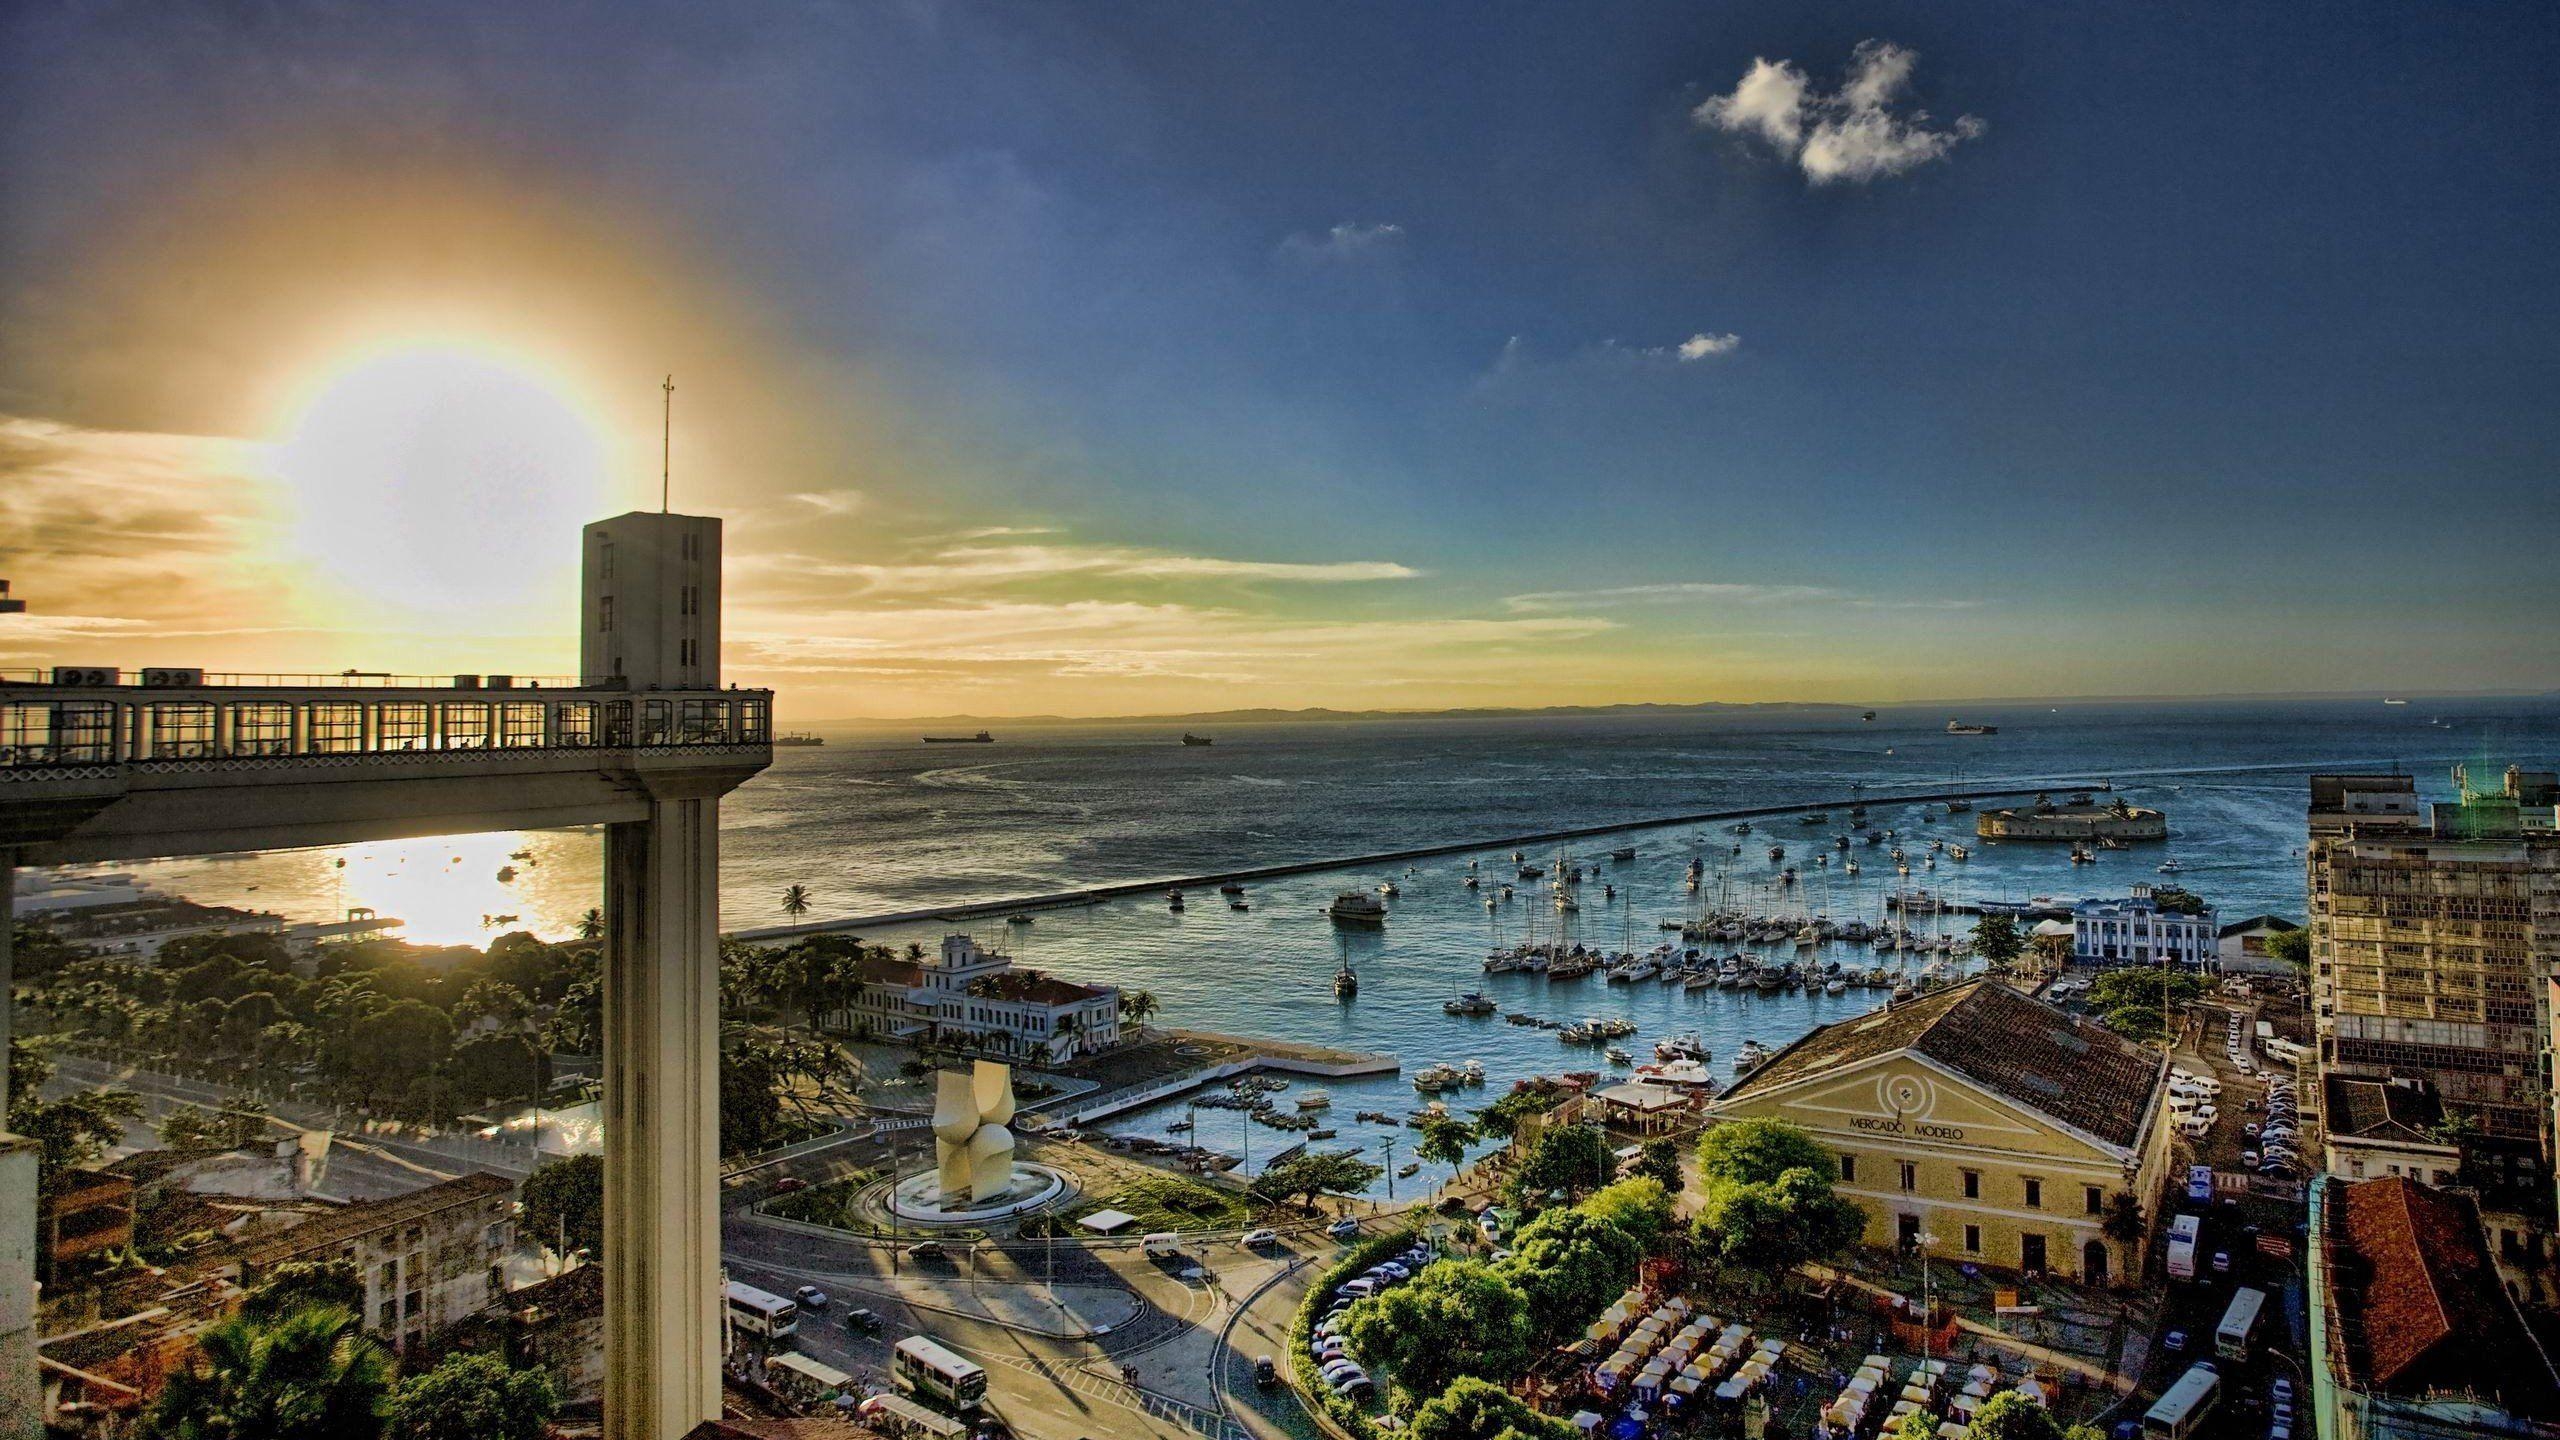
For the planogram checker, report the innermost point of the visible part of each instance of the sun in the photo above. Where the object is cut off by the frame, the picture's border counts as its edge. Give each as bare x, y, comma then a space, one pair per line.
442, 479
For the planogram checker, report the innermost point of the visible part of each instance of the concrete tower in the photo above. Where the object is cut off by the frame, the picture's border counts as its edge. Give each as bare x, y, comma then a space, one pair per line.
650, 607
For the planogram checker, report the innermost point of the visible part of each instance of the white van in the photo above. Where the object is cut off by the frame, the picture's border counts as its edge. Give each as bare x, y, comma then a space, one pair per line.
1162, 1243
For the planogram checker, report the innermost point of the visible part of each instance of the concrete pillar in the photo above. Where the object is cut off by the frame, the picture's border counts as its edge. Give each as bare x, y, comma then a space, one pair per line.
662, 1121
21, 1394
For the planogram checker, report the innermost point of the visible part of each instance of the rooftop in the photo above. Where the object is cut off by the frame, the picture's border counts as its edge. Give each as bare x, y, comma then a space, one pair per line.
2028, 1052
2362, 1109
336, 1227
2421, 1303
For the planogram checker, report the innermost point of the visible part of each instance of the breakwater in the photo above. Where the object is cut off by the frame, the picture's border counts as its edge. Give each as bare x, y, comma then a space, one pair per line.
1098, 894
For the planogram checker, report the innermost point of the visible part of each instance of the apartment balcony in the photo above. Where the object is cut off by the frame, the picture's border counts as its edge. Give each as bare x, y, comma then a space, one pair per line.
110, 766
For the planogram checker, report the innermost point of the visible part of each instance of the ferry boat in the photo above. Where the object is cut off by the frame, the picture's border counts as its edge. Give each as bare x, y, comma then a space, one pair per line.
1357, 907
1190, 739
981, 738
798, 737
1474, 1002
1315, 1100
1623, 853
1958, 727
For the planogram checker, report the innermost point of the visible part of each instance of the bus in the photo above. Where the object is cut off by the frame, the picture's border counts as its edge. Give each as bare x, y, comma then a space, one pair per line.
2239, 1327
2183, 1232
758, 1312
921, 1367
2177, 1414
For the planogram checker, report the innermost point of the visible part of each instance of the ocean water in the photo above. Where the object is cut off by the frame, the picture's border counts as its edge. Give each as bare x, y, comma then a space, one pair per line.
876, 822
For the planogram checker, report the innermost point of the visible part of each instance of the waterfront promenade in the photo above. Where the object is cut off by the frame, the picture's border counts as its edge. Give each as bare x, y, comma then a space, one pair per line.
1095, 895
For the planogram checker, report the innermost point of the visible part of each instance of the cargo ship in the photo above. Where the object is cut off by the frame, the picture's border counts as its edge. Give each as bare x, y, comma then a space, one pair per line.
798, 737
981, 738
1958, 727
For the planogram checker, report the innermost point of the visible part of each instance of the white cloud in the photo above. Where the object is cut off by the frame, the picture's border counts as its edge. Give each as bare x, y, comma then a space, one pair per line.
964, 569
1516, 362
1722, 591
1702, 346
1347, 241
830, 502
1850, 134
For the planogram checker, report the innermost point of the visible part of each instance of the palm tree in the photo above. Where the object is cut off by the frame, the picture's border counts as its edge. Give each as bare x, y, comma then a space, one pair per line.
1137, 1005
795, 901
310, 1374
591, 925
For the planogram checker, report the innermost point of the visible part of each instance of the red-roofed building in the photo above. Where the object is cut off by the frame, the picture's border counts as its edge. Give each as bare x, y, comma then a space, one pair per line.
2412, 1333
975, 999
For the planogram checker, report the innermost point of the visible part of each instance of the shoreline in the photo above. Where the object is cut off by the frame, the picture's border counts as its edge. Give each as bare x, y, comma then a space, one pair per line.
1098, 894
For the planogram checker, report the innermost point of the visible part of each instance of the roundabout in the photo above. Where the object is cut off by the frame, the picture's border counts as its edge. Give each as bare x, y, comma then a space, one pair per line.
919, 1199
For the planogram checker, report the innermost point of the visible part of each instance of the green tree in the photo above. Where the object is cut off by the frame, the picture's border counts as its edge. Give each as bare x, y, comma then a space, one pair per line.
577, 1022
1138, 1006
751, 1077
2293, 947
474, 1397
1767, 1200
1473, 1409
795, 901
309, 1375
1567, 1161
1638, 1205
1918, 1425
1660, 1163
1442, 1140
1457, 1317
302, 1285
1996, 939
2008, 1415
565, 1199
397, 1045
2123, 1223
72, 1132
186, 1127
494, 1000
496, 1067
591, 925
1310, 1175
1571, 1265
1501, 1119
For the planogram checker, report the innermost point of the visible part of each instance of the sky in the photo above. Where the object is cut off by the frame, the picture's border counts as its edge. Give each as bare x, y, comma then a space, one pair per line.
1107, 359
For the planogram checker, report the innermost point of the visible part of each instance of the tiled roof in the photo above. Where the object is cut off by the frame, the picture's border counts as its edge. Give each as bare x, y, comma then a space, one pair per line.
344, 1224
2031, 1054
2432, 1314
2377, 1109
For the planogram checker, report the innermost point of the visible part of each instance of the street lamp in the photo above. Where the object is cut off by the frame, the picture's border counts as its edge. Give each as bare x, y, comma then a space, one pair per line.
1928, 1316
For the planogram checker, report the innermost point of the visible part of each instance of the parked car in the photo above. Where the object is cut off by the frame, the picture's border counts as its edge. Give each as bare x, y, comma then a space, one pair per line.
1256, 1239
1343, 1229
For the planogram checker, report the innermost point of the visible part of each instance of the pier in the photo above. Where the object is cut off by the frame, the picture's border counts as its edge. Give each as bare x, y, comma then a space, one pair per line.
1098, 894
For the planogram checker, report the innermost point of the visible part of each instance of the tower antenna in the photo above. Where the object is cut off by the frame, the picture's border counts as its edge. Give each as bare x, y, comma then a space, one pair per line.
666, 443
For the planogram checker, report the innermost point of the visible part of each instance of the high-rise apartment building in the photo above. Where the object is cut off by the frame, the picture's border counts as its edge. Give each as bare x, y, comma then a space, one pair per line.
2434, 928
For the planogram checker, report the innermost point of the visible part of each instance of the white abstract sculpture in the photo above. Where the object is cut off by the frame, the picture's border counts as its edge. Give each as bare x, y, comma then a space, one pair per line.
972, 1149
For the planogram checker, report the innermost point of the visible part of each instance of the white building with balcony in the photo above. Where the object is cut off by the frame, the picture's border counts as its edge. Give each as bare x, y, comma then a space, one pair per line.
2137, 930
975, 999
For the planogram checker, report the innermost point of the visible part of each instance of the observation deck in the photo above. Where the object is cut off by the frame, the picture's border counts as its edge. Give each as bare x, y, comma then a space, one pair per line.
113, 765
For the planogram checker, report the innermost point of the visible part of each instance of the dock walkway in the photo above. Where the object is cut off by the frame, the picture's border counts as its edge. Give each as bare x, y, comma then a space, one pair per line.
1095, 895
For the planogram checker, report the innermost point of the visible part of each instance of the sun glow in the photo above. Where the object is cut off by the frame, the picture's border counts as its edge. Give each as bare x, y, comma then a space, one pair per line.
442, 478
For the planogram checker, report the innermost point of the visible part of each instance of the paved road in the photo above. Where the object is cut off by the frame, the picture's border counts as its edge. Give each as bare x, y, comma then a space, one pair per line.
1026, 1310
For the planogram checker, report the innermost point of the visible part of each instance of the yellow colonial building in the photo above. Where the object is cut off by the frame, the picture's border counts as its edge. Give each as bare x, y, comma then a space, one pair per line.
1989, 1126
